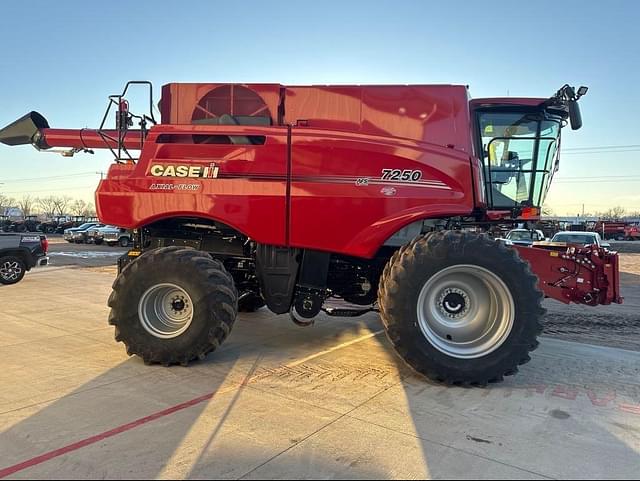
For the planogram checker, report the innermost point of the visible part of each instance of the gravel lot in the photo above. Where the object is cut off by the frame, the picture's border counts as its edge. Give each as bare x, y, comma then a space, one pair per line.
63, 253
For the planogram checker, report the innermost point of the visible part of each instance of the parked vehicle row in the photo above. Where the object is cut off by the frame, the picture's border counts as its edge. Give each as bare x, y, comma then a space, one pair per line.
527, 237
96, 233
57, 225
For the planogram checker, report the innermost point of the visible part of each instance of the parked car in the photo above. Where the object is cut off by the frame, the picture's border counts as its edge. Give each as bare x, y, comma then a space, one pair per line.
92, 235
78, 235
583, 238
66, 222
19, 254
524, 237
112, 236
632, 232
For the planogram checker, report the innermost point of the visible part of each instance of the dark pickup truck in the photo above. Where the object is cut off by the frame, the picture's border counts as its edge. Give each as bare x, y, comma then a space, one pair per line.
19, 253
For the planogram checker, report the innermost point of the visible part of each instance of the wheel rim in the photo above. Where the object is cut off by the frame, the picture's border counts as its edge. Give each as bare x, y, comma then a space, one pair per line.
10, 271
166, 311
466, 311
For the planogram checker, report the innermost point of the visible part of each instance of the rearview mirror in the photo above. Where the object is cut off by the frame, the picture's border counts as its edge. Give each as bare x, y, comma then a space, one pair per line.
575, 117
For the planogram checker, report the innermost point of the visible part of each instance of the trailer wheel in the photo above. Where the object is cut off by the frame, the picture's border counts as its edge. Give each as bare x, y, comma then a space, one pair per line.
461, 308
12, 270
173, 305
251, 302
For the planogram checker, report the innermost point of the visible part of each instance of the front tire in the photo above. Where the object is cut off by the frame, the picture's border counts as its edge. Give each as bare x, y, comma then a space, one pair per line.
461, 308
173, 305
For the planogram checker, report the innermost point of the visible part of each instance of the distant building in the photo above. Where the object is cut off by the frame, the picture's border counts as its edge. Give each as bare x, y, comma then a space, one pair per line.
574, 219
13, 213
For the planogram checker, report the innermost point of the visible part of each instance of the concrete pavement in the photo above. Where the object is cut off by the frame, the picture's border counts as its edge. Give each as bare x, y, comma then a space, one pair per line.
277, 401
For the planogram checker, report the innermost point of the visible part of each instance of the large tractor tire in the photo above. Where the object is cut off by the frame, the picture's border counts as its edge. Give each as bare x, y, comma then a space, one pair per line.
461, 308
173, 305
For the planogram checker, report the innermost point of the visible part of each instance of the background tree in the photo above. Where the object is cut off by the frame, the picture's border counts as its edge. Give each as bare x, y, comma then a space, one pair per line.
6, 203
47, 205
79, 208
90, 211
61, 204
615, 213
26, 204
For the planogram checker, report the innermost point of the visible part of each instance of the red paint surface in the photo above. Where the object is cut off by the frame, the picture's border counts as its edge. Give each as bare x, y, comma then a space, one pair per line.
339, 134
56, 453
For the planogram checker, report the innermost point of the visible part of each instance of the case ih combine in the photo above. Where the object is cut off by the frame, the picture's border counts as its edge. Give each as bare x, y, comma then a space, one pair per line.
250, 194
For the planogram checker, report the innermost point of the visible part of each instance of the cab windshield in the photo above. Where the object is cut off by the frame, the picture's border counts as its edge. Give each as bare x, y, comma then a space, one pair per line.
576, 238
522, 235
520, 152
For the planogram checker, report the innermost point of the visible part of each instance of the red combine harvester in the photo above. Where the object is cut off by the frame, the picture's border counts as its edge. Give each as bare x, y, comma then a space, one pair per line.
245, 195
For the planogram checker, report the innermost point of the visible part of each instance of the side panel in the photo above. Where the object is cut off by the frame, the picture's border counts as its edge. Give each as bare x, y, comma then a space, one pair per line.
182, 102
341, 201
436, 114
245, 185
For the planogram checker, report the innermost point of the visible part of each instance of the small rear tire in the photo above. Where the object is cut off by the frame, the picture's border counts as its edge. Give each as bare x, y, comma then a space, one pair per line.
12, 270
173, 305
461, 308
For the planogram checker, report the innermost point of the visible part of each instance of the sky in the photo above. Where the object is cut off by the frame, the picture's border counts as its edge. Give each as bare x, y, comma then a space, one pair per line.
64, 58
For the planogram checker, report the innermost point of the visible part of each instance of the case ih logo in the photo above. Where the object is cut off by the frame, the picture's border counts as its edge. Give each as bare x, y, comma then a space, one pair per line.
182, 171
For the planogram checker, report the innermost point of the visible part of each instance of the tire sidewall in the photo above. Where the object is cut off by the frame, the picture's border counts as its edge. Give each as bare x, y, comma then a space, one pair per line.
22, 265
143, 274
422, 268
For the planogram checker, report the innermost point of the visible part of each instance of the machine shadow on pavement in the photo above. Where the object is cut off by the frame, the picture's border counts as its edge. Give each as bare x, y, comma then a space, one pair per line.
331, 401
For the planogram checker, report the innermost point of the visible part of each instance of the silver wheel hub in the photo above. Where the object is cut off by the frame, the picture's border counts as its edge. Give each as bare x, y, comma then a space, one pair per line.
166, 311
465, 311
10, 271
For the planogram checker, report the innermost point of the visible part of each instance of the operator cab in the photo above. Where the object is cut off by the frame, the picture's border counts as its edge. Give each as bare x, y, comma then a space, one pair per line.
518, 141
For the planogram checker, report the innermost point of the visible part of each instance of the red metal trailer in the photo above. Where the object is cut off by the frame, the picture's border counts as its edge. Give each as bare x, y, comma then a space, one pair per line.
610, 229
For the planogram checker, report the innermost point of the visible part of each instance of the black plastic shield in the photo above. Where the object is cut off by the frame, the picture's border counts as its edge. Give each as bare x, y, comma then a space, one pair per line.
25, 130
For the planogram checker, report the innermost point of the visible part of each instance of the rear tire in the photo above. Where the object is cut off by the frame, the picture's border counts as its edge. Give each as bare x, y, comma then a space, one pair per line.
461, 308
173, 305
12, 270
